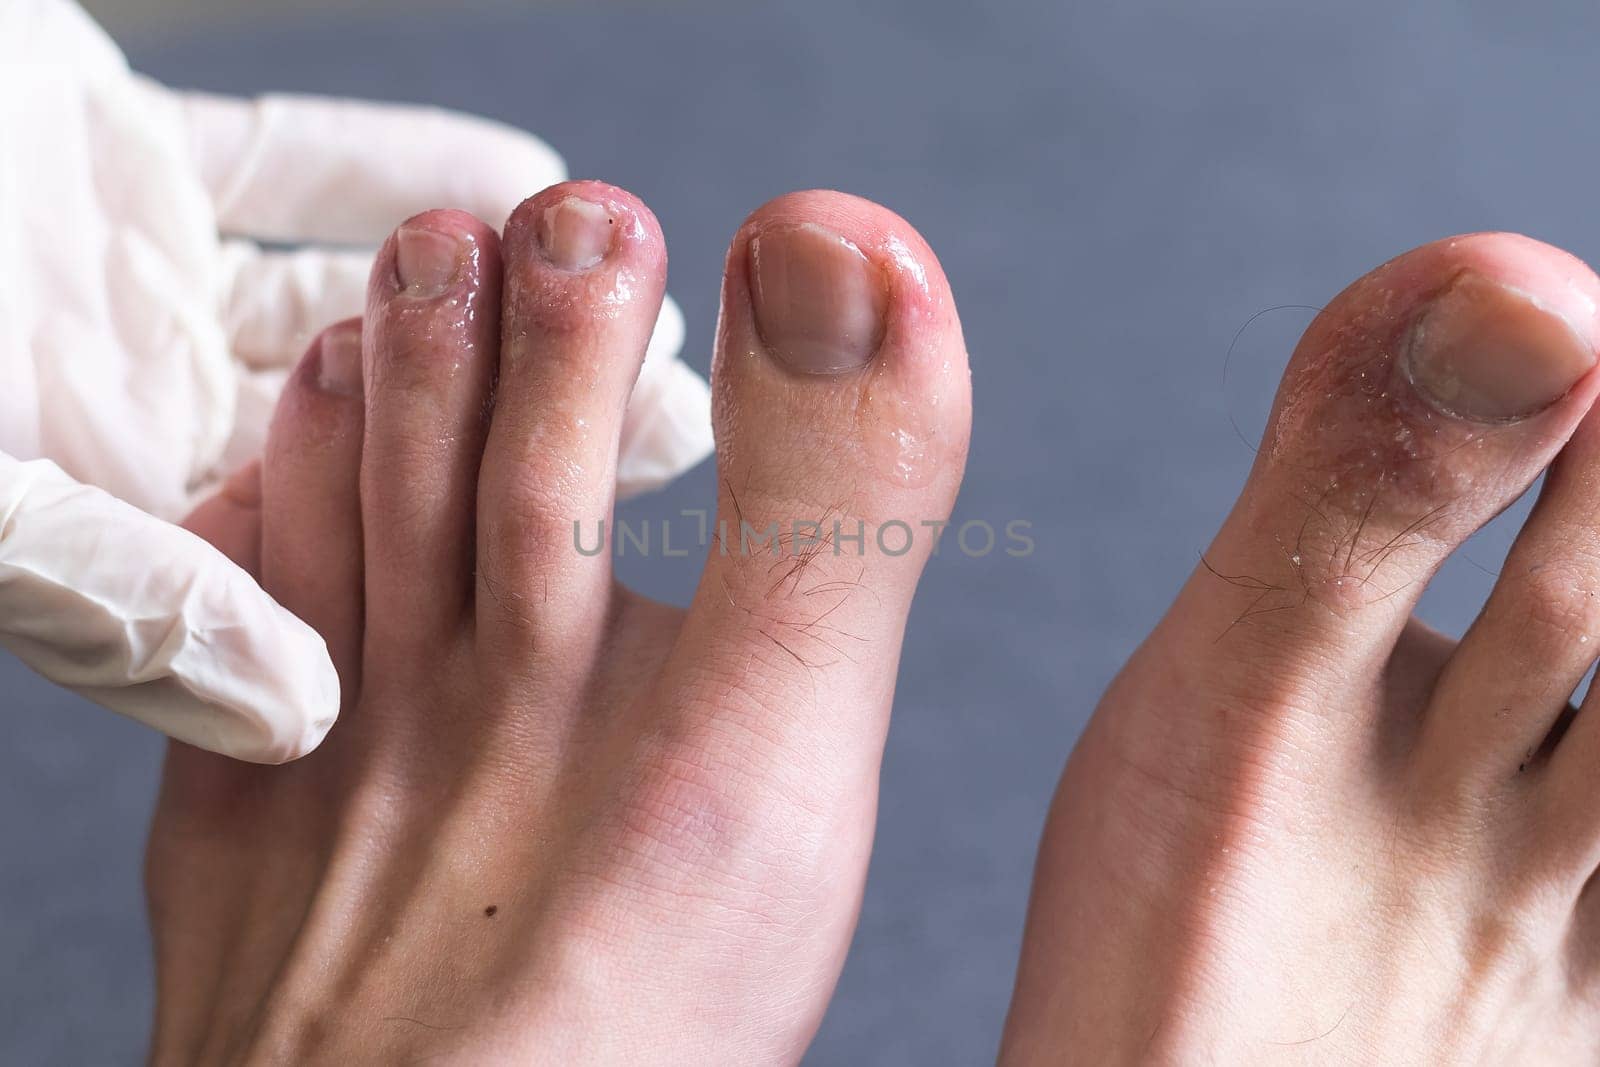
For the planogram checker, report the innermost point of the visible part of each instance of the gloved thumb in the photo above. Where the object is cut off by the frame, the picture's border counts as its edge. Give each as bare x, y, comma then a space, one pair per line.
150, 621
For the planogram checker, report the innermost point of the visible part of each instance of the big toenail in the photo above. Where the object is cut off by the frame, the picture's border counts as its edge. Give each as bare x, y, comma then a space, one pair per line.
819, 302
425, 261
576, 233
339, 360
1491, 353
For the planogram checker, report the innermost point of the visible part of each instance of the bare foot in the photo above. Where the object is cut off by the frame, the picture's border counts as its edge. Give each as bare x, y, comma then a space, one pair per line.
558, 823
1302, 828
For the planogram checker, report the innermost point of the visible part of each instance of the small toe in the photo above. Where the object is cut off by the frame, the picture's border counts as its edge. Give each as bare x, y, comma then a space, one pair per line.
585, 273
1511, 678
431, 343
1501, 709
311, 505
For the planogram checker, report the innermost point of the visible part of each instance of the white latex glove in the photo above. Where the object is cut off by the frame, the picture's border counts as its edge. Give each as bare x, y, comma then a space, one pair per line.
142, 351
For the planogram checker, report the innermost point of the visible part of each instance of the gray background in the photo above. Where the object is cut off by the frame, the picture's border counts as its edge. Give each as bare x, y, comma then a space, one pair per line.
1112, 194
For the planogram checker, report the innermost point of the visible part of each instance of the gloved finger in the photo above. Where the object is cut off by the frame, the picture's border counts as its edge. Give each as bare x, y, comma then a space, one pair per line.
667, 428
51, 31
314, 169
257, 399
150, 621
274, 303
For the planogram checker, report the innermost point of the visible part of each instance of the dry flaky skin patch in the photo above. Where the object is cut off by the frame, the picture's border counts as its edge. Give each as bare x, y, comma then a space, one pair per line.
1373, 469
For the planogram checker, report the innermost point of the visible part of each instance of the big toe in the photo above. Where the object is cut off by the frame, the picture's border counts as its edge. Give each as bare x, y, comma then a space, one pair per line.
841, 404
1423, 400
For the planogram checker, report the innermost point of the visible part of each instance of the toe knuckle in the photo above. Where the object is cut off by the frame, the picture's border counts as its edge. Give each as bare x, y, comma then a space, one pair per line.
534, 524
687, 806
1559, 601
695, 813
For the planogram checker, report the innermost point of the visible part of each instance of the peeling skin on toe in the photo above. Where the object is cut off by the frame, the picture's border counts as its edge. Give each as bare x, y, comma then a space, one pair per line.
901, 413
573, 332
435, 331
908, 264
1378, 469
900, 434
553, 299
896, 422
1378, 446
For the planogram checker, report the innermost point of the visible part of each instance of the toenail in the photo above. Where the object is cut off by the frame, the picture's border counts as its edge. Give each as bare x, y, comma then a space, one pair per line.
339, 360
819, 302
576, 233
1485, 351
425, 261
